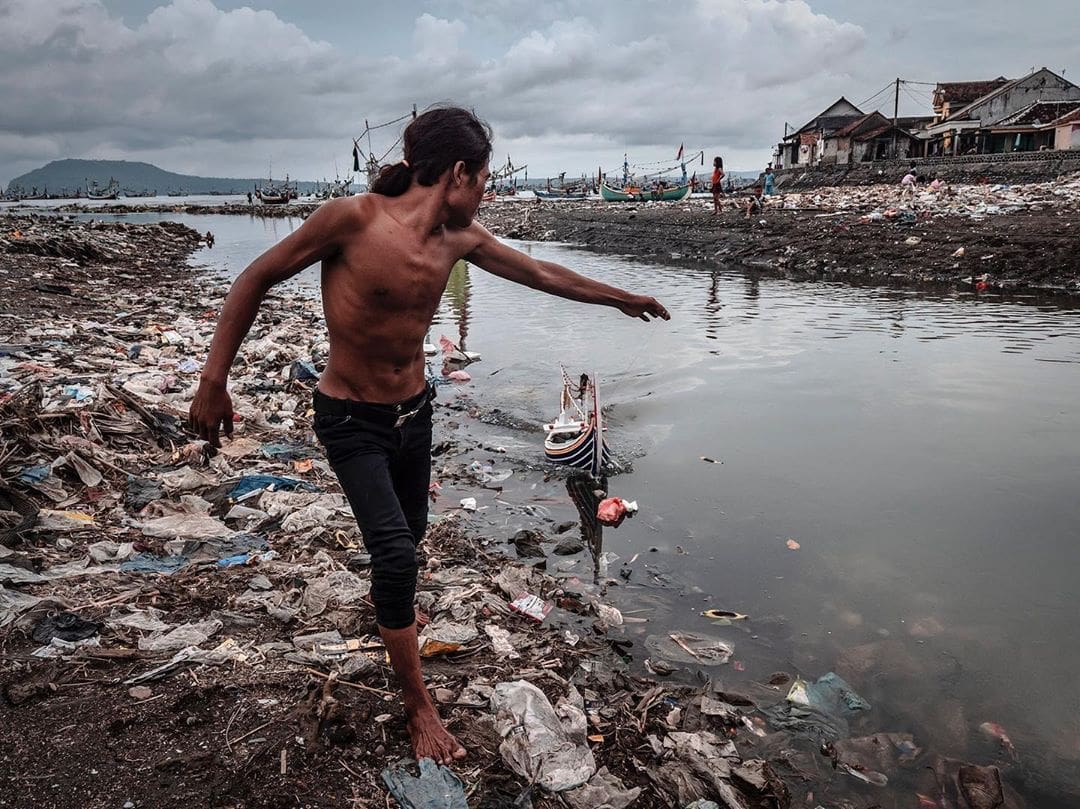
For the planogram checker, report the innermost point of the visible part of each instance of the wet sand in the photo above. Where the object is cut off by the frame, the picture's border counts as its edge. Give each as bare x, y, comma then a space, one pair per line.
1026, 251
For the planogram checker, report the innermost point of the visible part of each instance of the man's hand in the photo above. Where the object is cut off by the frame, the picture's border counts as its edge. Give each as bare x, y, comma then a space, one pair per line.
643, 306
210, 410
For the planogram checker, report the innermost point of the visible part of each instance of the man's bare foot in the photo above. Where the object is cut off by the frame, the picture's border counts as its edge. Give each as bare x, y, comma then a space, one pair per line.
431, 740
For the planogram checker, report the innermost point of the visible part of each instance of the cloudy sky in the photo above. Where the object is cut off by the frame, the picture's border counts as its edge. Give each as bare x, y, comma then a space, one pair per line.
224, 88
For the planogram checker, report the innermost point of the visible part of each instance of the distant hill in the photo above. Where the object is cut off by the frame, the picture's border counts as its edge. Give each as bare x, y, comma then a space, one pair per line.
69, 176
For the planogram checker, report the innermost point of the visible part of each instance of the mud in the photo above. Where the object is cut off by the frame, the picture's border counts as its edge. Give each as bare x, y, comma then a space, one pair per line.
1023, 251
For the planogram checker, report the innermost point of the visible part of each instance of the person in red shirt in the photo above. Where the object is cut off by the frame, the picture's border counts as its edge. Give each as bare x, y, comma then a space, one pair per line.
717, 183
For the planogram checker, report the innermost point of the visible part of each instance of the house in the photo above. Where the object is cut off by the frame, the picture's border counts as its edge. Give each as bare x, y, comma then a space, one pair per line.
953, 95
1067, 131
805, 145
1033, 129
970, 129
869, 137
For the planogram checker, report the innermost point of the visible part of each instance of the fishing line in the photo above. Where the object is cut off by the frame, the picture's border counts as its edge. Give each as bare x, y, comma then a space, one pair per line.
641, 350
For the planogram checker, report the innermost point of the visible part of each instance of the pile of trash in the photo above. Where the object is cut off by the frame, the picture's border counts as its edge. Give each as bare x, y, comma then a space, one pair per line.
66, 266
206, 616
972, 201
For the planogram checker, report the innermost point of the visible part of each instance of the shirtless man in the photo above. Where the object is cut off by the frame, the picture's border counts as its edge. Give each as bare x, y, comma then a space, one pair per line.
386, 257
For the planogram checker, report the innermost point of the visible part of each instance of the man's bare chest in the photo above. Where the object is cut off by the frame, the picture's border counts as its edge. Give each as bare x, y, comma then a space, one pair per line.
392, 277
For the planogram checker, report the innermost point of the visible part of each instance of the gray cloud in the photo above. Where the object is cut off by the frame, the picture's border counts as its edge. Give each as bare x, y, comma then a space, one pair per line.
214, 89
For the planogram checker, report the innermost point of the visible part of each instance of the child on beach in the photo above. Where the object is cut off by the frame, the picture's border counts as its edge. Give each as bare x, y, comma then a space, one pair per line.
755, 203
907, 185
717, 183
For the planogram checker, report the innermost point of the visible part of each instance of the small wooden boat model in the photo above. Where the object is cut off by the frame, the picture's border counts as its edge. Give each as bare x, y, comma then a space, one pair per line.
576, 437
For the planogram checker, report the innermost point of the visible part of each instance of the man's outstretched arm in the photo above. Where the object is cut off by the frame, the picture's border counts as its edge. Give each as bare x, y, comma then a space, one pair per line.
313, 241
497, 258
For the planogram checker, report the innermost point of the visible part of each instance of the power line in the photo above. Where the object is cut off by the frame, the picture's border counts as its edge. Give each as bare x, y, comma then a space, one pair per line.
921, 93
919, 101
875, 95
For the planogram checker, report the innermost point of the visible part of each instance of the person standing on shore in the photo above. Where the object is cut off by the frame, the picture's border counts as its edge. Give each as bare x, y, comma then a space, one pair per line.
717, 183
907, 184
770, 180
386, 258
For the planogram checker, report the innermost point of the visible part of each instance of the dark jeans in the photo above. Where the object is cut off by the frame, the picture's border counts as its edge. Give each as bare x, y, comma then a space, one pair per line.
384, 467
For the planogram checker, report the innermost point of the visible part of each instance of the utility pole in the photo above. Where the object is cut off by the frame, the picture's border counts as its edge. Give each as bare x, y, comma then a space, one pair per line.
895, 116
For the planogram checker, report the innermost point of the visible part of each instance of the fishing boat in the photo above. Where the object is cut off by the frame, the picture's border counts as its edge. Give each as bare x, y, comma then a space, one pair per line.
673, 194
563, 190
111, 191
561, 193
276, 193
339, 188
576, 437
272, 196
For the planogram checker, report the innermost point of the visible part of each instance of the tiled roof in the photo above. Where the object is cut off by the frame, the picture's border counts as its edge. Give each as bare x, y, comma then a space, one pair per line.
1070, 117
958, 93
873, 133
846, 130
831, 123
1039, 112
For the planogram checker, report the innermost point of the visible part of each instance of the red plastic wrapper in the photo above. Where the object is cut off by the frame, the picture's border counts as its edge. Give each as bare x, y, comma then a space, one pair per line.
611, 511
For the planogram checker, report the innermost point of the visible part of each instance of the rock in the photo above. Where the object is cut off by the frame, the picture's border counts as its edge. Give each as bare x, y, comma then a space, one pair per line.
981, 787
568, 546
528, 544
947, 727
140, 692
889, 657
850, 619
929, 627
356, 665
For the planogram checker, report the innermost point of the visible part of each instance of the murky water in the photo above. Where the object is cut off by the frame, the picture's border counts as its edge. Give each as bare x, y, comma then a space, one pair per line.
922, 450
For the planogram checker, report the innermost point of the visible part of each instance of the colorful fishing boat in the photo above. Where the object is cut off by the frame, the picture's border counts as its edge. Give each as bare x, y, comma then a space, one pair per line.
672, 194
576, 437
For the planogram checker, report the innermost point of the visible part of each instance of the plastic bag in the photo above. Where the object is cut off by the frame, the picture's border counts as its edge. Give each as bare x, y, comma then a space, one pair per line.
539, 744
614, 510
436, 788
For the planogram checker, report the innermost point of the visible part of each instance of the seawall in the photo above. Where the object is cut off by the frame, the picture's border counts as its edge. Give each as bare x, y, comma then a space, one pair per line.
1017, 167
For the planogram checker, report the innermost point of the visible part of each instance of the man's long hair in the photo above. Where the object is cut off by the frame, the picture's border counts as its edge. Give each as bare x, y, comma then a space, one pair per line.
434, 142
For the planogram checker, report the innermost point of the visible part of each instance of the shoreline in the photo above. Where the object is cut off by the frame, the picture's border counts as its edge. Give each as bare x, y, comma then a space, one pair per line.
214, 731
991, 239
